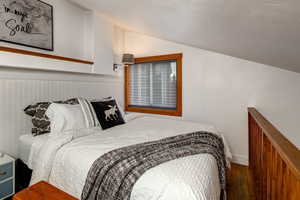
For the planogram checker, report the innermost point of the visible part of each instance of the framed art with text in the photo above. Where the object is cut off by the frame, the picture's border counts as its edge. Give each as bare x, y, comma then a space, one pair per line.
27, 22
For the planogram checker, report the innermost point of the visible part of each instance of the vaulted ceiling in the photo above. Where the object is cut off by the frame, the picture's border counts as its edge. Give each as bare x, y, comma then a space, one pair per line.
264, 31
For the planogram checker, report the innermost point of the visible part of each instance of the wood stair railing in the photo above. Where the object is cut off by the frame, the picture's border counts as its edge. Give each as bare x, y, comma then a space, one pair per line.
273, 161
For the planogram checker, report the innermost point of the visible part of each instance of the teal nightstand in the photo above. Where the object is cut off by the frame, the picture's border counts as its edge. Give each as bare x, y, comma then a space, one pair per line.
7, 176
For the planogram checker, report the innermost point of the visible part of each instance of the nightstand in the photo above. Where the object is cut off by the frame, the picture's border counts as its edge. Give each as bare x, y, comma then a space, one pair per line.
7, 176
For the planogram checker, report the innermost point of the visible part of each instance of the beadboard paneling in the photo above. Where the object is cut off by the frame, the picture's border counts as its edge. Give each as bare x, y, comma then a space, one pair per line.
17, 90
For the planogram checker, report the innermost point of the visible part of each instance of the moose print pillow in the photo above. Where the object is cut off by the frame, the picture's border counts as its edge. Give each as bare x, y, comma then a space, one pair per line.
108, 113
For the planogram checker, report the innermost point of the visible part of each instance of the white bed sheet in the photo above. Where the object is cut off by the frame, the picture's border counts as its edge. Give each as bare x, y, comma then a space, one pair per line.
25, 144
65, 161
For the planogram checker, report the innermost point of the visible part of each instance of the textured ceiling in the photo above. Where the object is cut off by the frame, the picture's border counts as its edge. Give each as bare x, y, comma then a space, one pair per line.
265, 31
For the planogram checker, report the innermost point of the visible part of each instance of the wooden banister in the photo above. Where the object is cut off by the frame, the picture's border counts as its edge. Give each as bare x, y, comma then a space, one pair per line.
274, 160
43, 55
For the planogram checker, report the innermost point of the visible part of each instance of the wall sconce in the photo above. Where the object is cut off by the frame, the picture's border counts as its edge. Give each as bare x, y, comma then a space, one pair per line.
127, 59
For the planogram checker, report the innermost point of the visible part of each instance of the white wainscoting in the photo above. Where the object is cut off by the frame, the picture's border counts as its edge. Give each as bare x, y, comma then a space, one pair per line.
21, 88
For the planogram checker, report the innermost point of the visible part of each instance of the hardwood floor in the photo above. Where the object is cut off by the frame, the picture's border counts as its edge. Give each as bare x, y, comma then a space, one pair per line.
239, 183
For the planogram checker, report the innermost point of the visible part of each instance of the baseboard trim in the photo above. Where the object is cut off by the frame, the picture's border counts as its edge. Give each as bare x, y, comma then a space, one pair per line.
240, 159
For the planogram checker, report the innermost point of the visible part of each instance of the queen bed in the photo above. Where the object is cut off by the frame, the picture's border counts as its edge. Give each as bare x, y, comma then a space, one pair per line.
65, 160
26, 142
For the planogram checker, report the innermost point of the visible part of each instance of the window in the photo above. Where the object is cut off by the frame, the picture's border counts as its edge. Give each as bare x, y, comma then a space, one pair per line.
153, 85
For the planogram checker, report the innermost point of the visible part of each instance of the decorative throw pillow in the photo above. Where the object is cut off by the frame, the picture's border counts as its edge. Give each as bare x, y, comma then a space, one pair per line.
31, 109
40, 121
108, 113
89, 113
109, 99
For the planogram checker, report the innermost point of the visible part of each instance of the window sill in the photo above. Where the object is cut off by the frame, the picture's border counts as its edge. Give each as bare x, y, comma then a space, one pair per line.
177, 112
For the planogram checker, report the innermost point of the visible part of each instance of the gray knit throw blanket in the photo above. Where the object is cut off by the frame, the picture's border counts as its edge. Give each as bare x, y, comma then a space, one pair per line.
113, 175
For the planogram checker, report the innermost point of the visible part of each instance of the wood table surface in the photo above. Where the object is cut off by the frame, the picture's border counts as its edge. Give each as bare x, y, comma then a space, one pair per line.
42, 191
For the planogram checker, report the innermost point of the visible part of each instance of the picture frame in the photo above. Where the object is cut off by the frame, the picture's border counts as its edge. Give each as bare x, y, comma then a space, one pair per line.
28, 23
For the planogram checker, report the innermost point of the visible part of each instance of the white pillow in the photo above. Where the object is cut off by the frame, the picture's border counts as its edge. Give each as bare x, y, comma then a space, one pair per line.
132, 116
65, 117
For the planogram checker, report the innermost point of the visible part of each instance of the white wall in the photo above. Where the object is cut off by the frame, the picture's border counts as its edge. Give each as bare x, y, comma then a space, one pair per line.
217, 89
103, 45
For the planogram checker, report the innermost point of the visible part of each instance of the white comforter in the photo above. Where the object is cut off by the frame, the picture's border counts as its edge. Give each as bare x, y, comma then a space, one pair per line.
65, 160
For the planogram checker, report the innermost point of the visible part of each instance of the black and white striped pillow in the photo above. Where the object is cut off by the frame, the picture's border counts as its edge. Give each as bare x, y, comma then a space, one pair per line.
89, 113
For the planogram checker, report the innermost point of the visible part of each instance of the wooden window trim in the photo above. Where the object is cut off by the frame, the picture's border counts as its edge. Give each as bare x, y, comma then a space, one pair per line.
178, 111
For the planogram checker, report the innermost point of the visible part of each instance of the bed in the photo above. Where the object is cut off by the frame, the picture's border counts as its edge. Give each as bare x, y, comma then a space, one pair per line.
26, 142
64, 161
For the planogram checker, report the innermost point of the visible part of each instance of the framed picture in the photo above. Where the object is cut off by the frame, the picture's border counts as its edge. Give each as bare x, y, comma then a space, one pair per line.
27, 22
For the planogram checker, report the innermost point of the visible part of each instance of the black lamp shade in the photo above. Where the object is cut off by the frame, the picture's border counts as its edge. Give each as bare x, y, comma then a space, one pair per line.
128, 59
